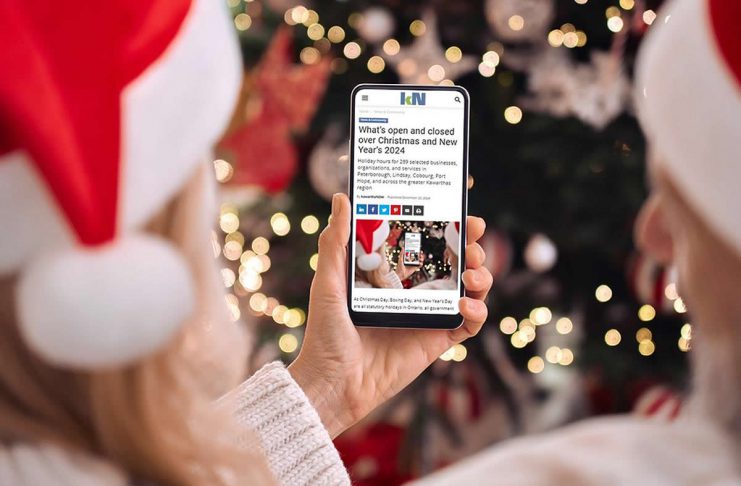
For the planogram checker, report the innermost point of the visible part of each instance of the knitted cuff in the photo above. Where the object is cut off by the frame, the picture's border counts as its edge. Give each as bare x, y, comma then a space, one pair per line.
298, 447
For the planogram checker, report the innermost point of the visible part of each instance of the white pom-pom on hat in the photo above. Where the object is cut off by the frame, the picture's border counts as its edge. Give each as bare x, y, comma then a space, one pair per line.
106, 305
369, 262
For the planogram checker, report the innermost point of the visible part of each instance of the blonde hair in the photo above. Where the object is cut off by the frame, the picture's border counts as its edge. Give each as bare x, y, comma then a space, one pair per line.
156, 418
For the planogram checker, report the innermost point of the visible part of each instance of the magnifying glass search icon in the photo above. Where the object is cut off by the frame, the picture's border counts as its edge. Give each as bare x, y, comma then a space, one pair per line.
457, 99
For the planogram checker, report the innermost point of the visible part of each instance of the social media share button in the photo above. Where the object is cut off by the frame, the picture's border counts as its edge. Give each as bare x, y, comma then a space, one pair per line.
373, 209
395, 209
361, 209
419, 210
406, 210
384, 209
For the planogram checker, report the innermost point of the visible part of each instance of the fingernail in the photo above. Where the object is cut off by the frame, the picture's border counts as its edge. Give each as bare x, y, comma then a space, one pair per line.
335, 203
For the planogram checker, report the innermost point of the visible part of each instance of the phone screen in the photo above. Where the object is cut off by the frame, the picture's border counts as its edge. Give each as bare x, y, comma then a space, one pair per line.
412, 247
408, 189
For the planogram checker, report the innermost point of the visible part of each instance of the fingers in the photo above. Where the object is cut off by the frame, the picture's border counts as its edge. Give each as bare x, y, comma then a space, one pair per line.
474, 314
475, 228
477, 282
475, 255
333, 243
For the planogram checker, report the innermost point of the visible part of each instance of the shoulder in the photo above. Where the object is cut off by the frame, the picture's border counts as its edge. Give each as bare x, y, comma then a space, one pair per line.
48, 465
615, 450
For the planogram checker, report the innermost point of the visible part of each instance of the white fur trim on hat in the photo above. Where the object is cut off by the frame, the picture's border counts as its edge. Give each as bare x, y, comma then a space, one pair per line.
689, 105
452, 237
369, 261
104, 306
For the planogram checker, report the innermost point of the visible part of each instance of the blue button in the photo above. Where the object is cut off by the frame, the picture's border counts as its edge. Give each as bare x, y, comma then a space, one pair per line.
384, 209
361, 209
373, 209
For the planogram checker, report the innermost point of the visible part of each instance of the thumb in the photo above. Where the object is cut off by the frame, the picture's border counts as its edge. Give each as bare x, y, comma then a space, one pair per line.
332, 264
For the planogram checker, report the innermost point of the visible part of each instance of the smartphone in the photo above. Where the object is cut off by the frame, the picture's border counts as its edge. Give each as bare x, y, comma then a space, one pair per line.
408, 174
412, 247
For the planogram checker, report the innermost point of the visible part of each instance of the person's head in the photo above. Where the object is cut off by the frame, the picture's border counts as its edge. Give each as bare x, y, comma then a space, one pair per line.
371, 261
113, 332
690, 109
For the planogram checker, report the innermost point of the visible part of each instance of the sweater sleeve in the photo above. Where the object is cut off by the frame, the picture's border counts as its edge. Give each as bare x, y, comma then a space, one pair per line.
296, 444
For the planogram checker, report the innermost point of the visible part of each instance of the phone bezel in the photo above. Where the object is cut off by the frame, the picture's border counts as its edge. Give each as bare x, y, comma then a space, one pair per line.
411, 320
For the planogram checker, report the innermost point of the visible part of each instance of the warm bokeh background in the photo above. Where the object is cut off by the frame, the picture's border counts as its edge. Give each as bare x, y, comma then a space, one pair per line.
580, 322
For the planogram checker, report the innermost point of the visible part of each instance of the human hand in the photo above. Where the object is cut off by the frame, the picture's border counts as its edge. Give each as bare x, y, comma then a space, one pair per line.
347, 371
404, 271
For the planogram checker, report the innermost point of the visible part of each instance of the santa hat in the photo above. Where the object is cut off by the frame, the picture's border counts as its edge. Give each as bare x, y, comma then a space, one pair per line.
102, 123
452, 238
688, 93
370, 234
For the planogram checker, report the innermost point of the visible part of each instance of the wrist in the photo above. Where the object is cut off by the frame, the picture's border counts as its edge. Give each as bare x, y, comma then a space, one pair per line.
323, 396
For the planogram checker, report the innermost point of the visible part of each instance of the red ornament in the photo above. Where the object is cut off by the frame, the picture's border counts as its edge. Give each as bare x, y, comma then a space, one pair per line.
286, 96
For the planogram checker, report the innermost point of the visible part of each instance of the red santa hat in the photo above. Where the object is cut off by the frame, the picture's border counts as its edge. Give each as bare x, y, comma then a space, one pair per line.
688, 93
370, 235
106, 113
452, 237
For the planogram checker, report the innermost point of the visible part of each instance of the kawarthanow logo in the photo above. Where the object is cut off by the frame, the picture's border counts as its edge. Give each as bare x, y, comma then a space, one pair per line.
413, 99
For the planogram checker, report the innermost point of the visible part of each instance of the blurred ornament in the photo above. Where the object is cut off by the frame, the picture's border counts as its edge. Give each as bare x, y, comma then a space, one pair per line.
498, 249
602, 90
520, 20
284, 100
425, 56
540, 253
328, 163
659, 403
376, 24
649, 281
596, 92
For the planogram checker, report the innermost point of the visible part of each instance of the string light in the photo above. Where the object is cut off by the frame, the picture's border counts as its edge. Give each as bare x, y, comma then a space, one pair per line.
603, 293
516, 22
671, 291
314, 261
391, 47
436, 73
294, 317
564, 325
288, 343
485, 70
229, 222
627, 4
336, 34
280, 224
223, 170
643, 334
315, 31
448, 354
250, 280
553, 354
242, 21
376, 64
260, 245
535, 365
567, 357
459, 352
612, 337
310, 55
649, 16
646, 347
615, 24
453, 54
513, 115
352, 50
310, 224
646, 313
518, 341
541, 315
235, 236
508, 325
354, 20
232, 250
679, 306
685, 337
258, 302
555, 37
417, 28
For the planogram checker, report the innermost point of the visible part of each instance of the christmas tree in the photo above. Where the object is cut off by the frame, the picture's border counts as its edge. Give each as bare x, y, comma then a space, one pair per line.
580, 321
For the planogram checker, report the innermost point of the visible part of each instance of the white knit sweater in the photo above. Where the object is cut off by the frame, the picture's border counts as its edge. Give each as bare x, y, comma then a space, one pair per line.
299, 449
608, 451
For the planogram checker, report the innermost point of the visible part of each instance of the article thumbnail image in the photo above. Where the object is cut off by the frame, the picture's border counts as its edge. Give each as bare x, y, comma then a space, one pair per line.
397, 254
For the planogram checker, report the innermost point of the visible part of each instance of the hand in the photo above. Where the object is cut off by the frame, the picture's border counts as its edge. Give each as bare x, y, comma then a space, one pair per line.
346, 371
404, 271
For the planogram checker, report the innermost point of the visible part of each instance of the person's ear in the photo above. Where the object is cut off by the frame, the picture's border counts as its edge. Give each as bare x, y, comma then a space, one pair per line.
652, 233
